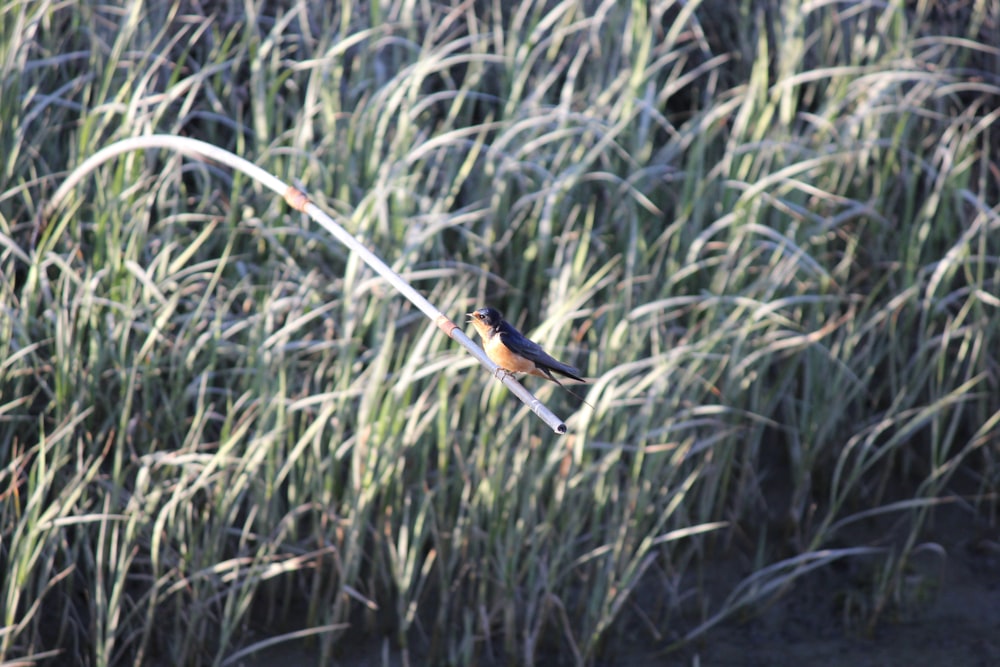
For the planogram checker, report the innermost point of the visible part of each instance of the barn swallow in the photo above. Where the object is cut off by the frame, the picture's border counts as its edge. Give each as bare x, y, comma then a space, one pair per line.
513, 352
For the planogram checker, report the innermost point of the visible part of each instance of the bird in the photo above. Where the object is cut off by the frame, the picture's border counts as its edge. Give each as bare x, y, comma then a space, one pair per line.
513, 352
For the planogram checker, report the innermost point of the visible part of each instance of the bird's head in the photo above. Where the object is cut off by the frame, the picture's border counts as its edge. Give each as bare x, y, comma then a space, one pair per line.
486, 317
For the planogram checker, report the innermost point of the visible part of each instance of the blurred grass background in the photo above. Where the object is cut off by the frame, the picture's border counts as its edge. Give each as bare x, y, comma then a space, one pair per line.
769, 231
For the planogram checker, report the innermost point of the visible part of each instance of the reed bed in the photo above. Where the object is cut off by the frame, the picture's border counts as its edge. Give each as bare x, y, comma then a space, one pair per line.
768, 232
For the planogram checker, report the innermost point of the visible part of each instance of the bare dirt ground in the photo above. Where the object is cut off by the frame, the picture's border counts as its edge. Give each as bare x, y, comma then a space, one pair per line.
948, 613
960, 627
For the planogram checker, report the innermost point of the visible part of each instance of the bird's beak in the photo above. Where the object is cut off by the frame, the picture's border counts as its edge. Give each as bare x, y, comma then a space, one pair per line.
469, 317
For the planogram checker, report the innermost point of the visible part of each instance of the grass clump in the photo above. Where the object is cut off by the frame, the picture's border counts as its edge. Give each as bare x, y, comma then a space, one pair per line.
767, 231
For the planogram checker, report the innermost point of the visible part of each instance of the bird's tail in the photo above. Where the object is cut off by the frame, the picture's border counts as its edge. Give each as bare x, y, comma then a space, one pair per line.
553, 378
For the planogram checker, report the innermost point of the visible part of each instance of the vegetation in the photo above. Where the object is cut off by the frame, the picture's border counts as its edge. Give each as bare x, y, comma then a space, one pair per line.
768, 231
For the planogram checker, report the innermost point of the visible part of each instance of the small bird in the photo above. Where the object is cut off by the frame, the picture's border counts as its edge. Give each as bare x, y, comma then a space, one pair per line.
512, 351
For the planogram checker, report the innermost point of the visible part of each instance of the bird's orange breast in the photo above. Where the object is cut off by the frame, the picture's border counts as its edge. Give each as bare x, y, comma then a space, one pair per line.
504, 358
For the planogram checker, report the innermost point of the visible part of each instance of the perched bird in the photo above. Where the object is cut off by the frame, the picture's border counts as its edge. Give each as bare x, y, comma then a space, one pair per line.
512, 351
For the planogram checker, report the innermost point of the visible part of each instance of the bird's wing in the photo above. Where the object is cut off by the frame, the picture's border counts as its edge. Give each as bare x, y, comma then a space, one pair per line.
517, 343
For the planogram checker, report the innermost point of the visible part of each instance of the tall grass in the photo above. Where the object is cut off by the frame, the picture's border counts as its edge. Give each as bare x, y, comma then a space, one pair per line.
767, 231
